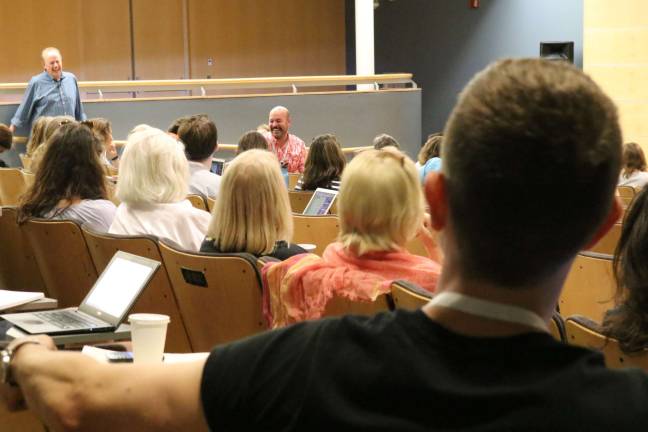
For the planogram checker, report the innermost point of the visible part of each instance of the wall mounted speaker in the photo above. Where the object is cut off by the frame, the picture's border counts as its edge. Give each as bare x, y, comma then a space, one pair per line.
557, 51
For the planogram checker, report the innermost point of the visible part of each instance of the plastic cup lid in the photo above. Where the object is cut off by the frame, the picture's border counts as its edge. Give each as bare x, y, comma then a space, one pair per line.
148, 319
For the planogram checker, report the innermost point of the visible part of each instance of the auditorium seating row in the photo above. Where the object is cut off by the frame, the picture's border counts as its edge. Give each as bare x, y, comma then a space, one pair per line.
211, 298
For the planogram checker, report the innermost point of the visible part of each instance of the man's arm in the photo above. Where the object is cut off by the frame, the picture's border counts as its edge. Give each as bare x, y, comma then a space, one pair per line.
25, 109
70, 391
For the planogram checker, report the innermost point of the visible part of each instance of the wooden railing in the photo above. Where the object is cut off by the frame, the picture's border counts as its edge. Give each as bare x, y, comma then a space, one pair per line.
221, 147
202, 86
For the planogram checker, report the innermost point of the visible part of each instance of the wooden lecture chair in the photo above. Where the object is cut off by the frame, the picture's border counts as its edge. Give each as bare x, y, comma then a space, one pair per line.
25, 160
158, 297
584, 332
63, 258
29, 178
197, 201
339, 306
112, 193
19, 421
219, 295
293, 178
557, 328
318, 230
299, 200
590, 288
409, 296
12, 186
608, 243
18, 268
627, 194
211, 203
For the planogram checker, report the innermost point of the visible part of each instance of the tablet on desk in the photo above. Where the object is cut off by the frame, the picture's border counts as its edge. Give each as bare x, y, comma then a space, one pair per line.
321, 202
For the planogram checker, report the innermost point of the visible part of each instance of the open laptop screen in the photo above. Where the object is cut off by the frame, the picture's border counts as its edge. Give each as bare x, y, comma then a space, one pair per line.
217, 166
118, 287
321, 202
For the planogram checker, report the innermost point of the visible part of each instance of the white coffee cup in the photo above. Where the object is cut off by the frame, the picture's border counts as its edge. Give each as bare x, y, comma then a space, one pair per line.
148, 333
308, 247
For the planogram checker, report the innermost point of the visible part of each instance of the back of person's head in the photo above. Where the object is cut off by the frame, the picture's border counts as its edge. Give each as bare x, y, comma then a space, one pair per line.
199, 136
531, 156
324, 163
383, 140
69, 169
53, 124
50, 129
252, 212
6, 137
629, 322
37, 135
633, 159
175, 125
431, 148
380, 203
153, 168
102, 128
251, 140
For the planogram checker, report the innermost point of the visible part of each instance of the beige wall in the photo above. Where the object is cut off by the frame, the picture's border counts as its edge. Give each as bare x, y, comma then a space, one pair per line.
615, 54
243, 37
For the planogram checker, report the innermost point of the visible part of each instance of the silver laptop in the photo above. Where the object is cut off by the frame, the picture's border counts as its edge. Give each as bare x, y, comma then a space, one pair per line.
105, 306
321, 202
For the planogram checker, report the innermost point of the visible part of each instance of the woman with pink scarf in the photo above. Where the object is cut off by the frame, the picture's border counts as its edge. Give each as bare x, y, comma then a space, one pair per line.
381, 208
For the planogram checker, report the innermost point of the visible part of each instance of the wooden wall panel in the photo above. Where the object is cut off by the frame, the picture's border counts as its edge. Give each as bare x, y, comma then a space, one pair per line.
248, 38
245, 38
91, 34
614, 54
104, 35
158, 39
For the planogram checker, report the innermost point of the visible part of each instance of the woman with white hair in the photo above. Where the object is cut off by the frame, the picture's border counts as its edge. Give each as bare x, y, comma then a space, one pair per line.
152, 188
381, 208
252, 213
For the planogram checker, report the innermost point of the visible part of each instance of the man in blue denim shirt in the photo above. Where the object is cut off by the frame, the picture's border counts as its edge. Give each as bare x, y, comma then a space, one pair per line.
50, 93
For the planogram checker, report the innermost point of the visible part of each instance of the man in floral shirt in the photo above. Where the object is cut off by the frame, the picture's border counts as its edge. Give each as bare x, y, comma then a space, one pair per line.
290, 149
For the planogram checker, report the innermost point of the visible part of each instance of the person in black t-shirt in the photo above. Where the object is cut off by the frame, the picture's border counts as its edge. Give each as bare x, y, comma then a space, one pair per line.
478, 357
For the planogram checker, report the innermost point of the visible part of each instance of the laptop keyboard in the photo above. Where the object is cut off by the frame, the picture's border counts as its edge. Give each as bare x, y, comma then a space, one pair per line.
66, 319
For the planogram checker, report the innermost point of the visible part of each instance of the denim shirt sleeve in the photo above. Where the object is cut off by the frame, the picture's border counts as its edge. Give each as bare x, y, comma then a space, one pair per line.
24, 111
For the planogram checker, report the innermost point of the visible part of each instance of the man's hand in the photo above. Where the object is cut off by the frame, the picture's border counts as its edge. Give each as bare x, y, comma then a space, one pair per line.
12, 128
11, 393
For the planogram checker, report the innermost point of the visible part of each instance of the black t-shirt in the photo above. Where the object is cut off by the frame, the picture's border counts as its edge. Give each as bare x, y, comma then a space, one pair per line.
403, 372
282, 250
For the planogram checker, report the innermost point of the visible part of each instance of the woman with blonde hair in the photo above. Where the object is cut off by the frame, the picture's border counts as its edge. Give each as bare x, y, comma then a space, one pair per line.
381, 208
51, 126
252, 213
152, 187
324, 164
634, 167
37, 135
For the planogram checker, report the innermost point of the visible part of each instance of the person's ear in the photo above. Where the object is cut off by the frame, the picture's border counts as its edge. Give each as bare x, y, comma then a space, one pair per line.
613, 217
435, 194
